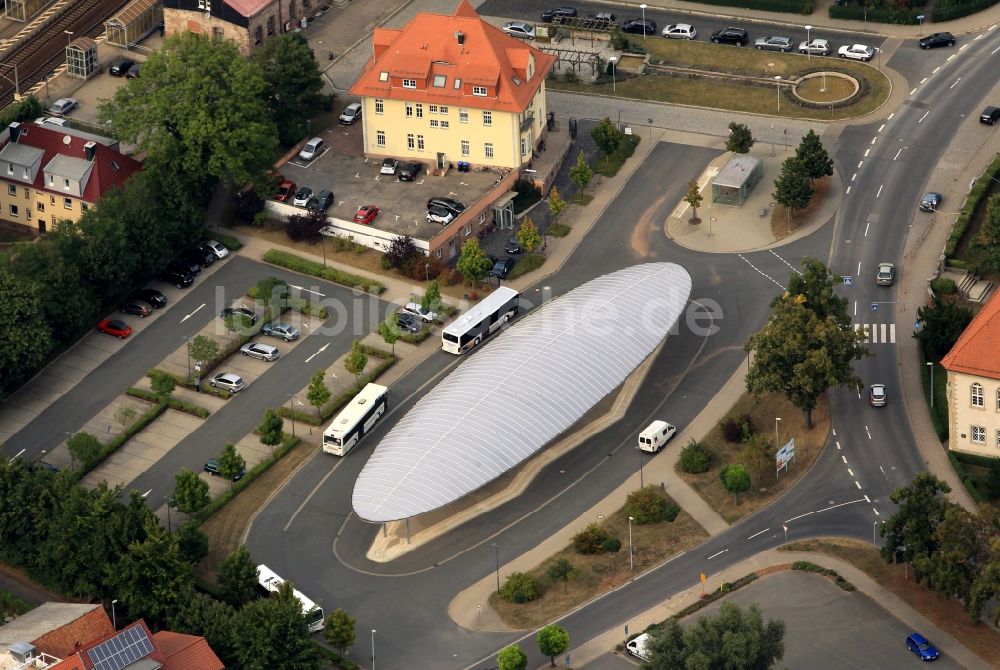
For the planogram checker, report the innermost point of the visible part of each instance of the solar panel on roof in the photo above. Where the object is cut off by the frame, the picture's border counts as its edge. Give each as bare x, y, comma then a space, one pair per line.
124, 649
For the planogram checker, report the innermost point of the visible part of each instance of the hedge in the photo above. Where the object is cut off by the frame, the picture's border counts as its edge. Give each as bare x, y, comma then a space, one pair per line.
228, 241
806, 566
957, 11
788, 6
967, 482
977, 194
305, 266
116, 442
904, 16
172, 403
975, 459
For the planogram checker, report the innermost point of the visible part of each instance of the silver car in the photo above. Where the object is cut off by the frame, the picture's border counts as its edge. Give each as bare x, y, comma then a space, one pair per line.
861, 52
885, 275
63, 106
816, 47
774, 43
227, 381
877, 395
285, 331
519, 29
312, 149
264, 352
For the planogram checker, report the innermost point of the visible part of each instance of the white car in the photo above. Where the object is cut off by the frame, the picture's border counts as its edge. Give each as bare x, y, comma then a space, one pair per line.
519, 29
302, 196
680, 31
389, 166
63, 106
860, 52
217, 248
440, 215
815, 47
414, 309
227, 381
637, 647
312, 149
52, 121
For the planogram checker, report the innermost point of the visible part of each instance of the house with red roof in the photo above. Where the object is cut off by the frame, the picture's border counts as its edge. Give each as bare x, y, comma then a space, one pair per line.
973, 366
453, 88
246, 22
50, 175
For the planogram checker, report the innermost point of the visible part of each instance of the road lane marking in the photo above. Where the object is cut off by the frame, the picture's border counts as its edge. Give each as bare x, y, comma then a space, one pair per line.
834, 431
913, 90
881, 186
854, 176
868, 434
850, 472
196, 309
848, 192
717, 554
962, 48
867, 225
842, 457
792, 267
935, 70
883, 472
923, 80
305, 290
855, 308
889, 118
873, 140
761, 272
956, 83
837, 442
321, 350
867, 499
859, 268
876, 512
867, 151
146, 494
924, 116
994, 51
953, 55
857, 484
14, 457
308, 498
880, 128
897, 153
756, 534
860, 163
979, 37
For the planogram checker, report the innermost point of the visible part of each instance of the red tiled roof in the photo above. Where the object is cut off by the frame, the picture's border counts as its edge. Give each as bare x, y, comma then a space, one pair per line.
80, 660
111, 168
186, 652
977, 351
428, 46
62, 641
249, 8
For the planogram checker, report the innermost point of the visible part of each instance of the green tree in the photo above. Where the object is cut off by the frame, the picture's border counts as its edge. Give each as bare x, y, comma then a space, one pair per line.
201, 614
239, 323
987, 584
519, 587
556, 204
85, 448
757, 453
317, 394
740, 138
162, 383
527, 235
921, 508
271, 429
238, 577
552, 641
734, 638
199, 110
401, 251
580, 173
231, 464
793, 188
473, 262
561, 570
274, 294
293, 84
153, 576
190, 491
607, 136
993, 478
694, 198
274, 634
204, 349
389, 330
25, 336
192, 542
816, 286
646, 505
431, 300
338, 630
125, 415
801, 355
512, 657
814, 159
356, 361
735, 479
942, 323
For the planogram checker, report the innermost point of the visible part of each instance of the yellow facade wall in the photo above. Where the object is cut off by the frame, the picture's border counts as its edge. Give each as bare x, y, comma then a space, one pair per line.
37, 211
973, 427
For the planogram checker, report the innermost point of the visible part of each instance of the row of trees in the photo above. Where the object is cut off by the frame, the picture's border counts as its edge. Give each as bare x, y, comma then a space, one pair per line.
552, 641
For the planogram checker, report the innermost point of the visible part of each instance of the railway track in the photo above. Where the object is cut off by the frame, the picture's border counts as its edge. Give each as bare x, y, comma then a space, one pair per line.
46, 49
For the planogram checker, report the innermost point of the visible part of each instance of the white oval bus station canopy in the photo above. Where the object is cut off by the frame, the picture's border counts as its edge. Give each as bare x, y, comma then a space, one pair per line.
528, 384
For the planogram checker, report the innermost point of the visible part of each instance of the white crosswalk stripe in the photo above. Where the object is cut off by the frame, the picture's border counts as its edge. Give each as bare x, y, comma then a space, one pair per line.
877, 333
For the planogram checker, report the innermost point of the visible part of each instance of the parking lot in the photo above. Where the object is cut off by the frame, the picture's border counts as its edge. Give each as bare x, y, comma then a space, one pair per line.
355, 181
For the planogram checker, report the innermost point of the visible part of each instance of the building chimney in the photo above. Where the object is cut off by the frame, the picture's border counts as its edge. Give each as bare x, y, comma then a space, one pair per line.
88, 150
15, 131
460, 36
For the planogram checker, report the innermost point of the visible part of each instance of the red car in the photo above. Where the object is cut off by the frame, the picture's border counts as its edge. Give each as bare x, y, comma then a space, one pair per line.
115, 327
286, 190
366, 214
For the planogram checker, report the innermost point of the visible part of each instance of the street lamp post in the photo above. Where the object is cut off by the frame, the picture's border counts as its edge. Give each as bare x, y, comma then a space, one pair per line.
808, 45
778, 88
643, 8
373, 649
630, 564
772, 140
114, 619
69, 37
613, 60
777, 442
874, 541
187, 342
642, 484
930, 364
496, 550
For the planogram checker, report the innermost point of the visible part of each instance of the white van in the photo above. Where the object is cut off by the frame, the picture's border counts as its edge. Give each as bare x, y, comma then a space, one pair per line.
655, 436
312, 149
637, 647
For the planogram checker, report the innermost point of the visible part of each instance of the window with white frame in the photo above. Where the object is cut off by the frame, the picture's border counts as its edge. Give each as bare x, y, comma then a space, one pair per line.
67, 203
420, 111
205, 4
482, 218
458, 84
440, 80
442, 110
433, 109
409, 83
420, 142
380, 138
434, 123
438, 253
977, 396
444, 124
487, 118
11, 189
524, 146
978, 434
379, 106
465, 147
409, 141
13, 211
488, 149
65, 183
463, 115
468, 229
479, 90
409, 109
10, 168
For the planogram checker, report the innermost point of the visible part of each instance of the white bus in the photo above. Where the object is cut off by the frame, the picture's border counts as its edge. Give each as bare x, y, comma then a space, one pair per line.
356, 419
268, 582
468, 330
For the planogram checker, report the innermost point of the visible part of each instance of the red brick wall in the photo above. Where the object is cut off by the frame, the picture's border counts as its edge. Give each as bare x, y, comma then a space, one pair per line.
62, 642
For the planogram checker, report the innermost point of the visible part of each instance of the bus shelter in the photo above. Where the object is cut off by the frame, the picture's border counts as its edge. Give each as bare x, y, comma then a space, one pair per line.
736, 180
23, 10
135, 21
81, 58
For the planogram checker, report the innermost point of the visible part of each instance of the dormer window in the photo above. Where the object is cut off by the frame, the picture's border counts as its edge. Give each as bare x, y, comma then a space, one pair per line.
440, 80
383, 76
409, 83
479, 90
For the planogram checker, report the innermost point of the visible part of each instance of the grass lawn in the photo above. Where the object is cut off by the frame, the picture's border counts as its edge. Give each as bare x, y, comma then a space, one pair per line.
579, 198
558, 230
609, 165
526, 264
764, 486
948, 615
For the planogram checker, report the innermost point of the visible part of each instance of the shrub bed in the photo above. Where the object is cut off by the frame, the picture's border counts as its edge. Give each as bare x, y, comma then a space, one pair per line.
520, 587
901, 15
946, 12
305, 266
116, 442
807, 566
228, 241
963, 475
172, 403
788, 6
696, 458
977, 196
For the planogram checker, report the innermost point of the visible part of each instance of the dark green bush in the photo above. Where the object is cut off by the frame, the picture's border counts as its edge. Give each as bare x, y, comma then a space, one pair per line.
671, 512
298, 264
737, 429
977, 197
944, 286
696, 458
591, 539
949, 12
519, 587
900, 15
788, 6
647, 505
612, 545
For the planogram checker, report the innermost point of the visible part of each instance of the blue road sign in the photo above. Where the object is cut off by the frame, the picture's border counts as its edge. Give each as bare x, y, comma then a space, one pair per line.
848, 280
874, 306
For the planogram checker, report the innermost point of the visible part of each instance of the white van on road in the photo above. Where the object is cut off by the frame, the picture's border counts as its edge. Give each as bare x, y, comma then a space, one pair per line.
655, 436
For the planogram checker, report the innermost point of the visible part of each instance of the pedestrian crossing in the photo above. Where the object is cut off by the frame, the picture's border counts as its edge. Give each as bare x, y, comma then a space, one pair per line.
877, 333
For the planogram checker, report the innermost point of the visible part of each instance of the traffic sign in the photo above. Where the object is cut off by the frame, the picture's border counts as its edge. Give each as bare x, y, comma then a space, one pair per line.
848, 280
874, 306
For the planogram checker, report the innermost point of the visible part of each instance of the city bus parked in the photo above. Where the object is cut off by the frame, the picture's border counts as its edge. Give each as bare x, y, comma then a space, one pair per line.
356, 419
470, 329
269, 582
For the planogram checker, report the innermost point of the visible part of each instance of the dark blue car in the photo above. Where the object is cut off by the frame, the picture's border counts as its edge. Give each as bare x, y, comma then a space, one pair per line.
922, 647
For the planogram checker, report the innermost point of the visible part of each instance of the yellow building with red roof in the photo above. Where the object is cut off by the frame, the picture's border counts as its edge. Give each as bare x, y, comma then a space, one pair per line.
973, 366
448, 89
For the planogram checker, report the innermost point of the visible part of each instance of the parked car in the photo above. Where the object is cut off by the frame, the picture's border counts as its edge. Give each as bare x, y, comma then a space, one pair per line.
437, 214
816, 47
212, 468
350, 114
245, 311
565, 12
502, 268
264, 352
876, 395
415, 309
513, 246
302, 196
638, 646
935, 40
930, 202
320, 202
202, 257
136, 308
990, 115
680, 31
120, 66
115, 327
151, 297
177, 278
185, 266
366, 214
730, 35
453, 206
861, 52
599, 20
218, 248
409, 171
227, 381
921, 646
408, 323
284, 331
134, 71
519, 29
389, 166
885, 275
639, 27
286, 190
312, 149
53, 121
773, 43
63, 106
